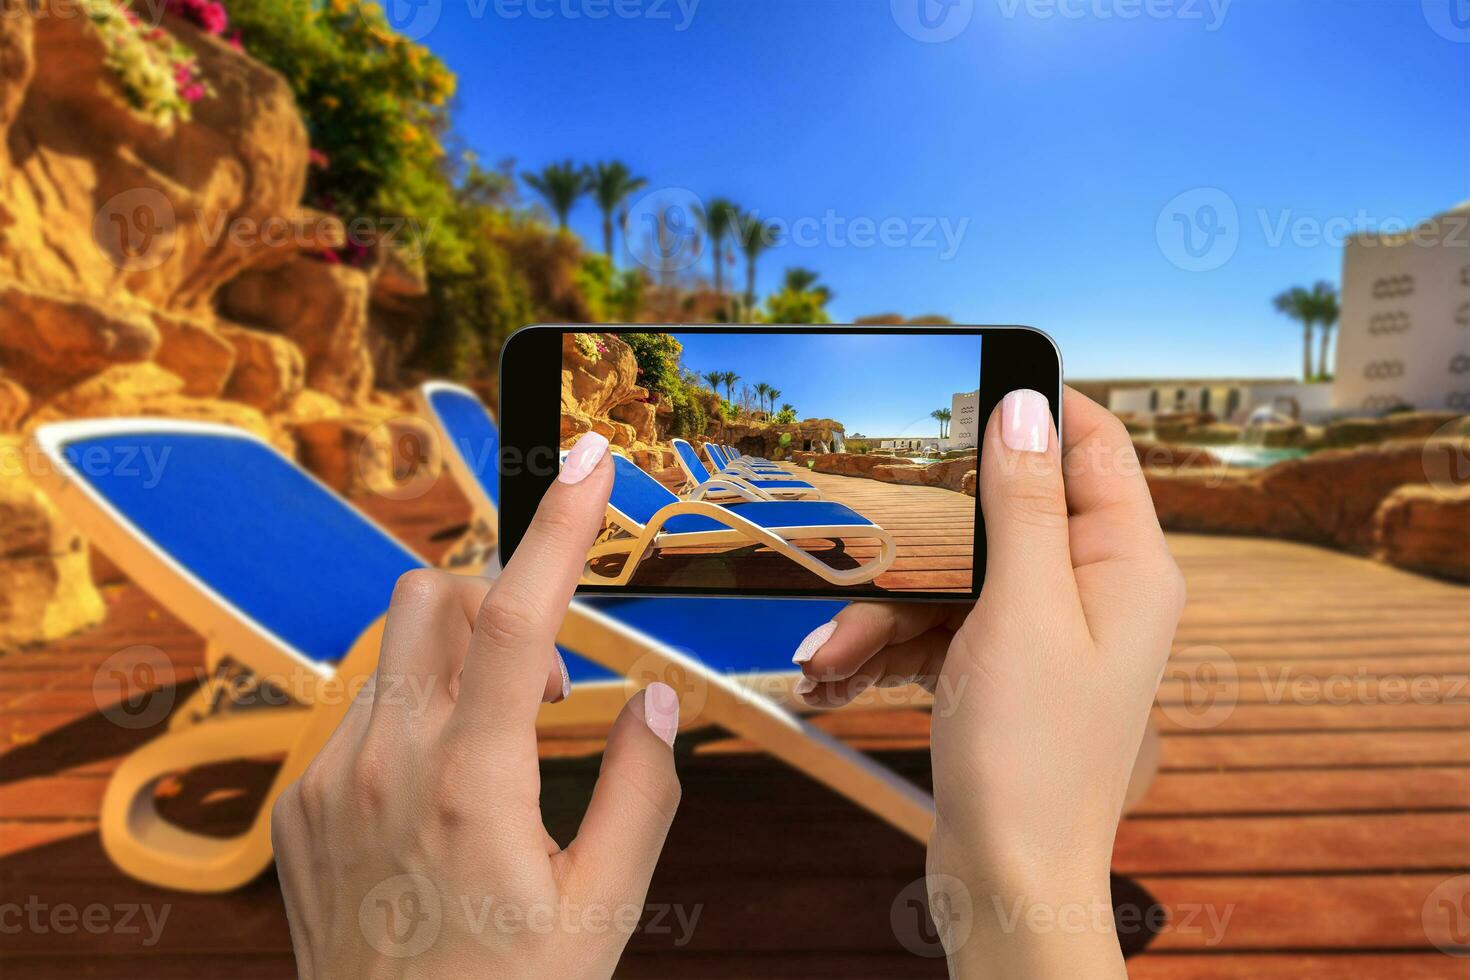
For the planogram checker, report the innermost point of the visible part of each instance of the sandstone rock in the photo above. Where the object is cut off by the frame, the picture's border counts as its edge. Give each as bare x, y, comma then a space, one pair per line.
195, 351
130, 212
1425, 529
1278, 435
641, 416
1214, 434
967, 486
1344, 433
147, 389
269, 370
1172, 426
46, 588
322, 308
850, 464
48, 341
1326, 498
371, 450
592, 385
14, 404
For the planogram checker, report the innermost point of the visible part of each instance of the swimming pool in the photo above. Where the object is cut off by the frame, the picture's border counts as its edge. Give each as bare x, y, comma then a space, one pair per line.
1251, 457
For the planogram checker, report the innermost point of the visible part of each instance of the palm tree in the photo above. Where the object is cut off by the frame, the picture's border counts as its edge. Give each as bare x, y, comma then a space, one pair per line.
800, 280
611, 183
714, 379
719, 219
788, 407
942, 416
761, 391
756, 236
730, 378
560, 185
1328, 310
1302, 306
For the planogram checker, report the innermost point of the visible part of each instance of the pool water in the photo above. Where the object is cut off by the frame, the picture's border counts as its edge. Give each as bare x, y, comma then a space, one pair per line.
1251, 457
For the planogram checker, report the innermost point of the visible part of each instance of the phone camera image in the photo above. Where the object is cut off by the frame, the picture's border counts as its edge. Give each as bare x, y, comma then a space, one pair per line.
781, 461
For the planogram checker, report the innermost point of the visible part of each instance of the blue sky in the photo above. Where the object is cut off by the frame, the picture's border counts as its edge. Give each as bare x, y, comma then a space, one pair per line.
1053, 145
876, 384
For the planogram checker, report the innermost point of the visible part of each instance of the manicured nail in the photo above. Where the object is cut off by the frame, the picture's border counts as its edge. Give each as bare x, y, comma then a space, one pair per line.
583, 458
1025, 421
813, 642
661, 711
805, 686
566, 679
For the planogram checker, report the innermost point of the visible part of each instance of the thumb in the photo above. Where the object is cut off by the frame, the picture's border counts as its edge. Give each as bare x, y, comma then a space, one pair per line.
634, 801
1023, 500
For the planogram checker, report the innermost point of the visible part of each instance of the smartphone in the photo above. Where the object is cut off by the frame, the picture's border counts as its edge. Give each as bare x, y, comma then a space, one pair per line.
765, 460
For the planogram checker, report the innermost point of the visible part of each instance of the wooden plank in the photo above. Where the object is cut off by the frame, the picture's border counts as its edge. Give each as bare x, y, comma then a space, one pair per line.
1353, 965
1315, 750
1376, 842
1404, 790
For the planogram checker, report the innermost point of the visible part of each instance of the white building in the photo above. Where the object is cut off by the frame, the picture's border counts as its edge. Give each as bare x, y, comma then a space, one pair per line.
1404, 338
1231, 401
965, 424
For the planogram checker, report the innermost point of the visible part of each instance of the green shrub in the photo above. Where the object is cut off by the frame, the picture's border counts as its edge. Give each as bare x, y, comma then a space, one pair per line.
658, 362
690, 420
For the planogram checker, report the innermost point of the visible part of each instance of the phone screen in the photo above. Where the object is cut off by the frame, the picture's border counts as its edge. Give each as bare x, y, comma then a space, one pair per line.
784, 461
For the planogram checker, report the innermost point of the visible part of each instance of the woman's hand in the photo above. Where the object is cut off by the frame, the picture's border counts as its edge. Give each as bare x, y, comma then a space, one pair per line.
1041, 690
413, 845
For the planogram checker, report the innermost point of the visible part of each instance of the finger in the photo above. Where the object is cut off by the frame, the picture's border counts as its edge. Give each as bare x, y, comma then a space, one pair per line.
916, 660
514, 643
862, 631
1112, 511
1025, 506
633, 803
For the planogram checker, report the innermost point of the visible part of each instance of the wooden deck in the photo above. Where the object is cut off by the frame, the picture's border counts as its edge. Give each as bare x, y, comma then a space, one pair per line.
1321, 817
933, 528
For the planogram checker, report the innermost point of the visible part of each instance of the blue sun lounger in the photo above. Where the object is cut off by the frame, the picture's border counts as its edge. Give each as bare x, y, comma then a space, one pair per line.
724, 464
645, 517
289, 584
701, 484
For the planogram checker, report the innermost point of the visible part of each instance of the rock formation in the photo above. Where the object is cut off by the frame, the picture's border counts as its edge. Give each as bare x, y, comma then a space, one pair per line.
600, 393
956, 474
170, 271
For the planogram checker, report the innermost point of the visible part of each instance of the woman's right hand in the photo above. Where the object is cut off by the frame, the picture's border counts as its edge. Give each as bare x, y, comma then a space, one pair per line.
1042, 689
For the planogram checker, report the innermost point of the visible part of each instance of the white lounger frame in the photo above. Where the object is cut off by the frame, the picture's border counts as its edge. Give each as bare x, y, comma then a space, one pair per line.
722, 485
142, 844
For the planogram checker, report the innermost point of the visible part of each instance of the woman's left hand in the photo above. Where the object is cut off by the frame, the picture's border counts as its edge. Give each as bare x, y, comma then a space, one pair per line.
414, 845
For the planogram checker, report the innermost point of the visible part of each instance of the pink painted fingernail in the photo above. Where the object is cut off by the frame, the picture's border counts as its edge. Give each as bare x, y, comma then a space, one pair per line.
661, 711
805, 686
1025, 421
813, 642
583, 458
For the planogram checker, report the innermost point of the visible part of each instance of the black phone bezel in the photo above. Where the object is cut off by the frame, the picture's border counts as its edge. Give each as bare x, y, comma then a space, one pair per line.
1011, 358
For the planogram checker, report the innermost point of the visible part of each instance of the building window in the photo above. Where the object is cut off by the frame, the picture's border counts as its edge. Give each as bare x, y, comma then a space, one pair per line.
1383, 370
1204, 400
1232, 402
1153, 400
1393, 287
1386, 323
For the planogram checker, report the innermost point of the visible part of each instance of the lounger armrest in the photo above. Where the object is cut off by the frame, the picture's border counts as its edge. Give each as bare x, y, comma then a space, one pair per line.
735, 486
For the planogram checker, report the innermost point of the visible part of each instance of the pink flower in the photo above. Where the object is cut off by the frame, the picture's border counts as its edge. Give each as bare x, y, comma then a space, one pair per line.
236, 41
193, 92
317, 158
213, 19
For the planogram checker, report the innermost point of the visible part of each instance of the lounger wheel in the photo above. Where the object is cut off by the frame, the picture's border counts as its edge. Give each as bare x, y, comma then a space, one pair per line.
144, 845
